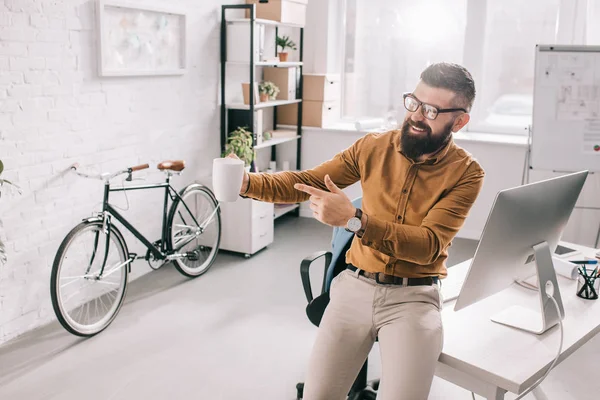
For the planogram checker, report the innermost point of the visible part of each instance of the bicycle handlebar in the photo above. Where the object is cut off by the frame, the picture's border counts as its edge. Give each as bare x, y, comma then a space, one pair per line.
139, 167
107, 175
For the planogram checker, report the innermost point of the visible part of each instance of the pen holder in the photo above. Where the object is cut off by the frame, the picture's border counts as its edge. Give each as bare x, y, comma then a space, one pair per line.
588, 284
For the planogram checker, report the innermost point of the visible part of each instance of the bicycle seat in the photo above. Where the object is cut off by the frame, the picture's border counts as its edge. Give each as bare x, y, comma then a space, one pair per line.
177, 165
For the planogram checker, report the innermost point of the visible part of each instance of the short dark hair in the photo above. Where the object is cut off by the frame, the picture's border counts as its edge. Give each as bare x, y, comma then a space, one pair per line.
453, 77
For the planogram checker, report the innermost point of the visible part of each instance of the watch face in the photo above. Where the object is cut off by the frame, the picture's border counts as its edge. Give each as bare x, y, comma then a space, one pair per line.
354, 224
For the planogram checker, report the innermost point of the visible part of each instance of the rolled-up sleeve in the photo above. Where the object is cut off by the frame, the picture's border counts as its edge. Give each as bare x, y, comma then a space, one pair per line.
343, 169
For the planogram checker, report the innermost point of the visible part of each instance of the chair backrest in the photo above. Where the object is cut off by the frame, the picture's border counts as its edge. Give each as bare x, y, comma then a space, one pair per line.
340, 244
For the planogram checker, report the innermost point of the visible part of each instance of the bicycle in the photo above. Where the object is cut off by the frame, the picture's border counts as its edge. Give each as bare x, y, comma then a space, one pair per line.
191, 234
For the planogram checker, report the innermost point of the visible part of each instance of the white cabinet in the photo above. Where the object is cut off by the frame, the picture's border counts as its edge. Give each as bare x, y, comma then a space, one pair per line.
246, 226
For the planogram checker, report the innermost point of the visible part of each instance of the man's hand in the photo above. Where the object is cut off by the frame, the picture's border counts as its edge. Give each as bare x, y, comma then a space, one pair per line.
246, 180
333, 208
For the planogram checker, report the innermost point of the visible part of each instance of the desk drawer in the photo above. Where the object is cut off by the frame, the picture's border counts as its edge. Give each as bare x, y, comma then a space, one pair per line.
259, 207
264, 214
262, 233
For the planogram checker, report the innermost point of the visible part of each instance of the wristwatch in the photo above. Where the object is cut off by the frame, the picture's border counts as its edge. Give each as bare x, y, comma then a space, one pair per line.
355, 223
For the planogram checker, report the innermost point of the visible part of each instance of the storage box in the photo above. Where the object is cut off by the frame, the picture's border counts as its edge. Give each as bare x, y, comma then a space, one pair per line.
321, 87
314, 113
286, 11
286, 79
238, 42
246, 93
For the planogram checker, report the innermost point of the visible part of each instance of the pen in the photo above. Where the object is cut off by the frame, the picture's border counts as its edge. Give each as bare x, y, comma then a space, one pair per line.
586, 280
584, 262
593, 283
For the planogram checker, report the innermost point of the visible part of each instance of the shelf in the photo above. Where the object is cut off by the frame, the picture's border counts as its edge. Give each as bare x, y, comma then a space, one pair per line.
268, 63
276, 141
259, 21
266, 104
282, 209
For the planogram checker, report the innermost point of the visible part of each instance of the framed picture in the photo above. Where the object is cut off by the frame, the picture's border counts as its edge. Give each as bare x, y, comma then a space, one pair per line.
140, 41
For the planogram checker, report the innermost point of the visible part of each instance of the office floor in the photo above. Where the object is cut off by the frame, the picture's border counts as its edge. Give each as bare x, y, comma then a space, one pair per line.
239, 332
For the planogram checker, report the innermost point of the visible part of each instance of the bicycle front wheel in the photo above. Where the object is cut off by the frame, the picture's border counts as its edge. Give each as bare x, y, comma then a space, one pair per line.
194, 230
89, 278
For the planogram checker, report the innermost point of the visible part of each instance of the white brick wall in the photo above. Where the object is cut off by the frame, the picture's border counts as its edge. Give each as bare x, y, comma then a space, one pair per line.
55, 110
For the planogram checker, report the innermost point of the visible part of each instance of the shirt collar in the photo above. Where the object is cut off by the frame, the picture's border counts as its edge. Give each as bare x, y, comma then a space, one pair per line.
434, 158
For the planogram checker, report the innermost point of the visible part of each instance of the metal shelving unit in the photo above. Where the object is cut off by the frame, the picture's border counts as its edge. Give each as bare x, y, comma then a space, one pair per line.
268, 104
252, 22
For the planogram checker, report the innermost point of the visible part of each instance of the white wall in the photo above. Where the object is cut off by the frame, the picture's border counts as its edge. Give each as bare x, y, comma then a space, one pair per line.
55, 110
503, 163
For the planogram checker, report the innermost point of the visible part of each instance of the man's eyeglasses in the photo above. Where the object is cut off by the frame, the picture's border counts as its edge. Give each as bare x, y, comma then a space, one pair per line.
411, 103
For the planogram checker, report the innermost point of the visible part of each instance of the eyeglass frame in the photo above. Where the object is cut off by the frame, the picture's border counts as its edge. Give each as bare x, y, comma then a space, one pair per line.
421, 104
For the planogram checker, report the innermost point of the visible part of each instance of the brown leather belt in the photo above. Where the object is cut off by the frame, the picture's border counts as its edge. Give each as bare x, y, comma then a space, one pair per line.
380, 277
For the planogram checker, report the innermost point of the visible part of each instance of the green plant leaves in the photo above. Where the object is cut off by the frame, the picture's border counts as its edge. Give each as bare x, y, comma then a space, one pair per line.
1, 167
240, 142
268, 88
285, 42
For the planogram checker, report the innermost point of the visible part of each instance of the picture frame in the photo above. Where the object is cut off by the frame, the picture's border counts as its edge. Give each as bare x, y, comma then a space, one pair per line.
140, 41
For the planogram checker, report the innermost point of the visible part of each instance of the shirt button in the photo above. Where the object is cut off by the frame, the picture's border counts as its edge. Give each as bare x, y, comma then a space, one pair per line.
405, 191
399, 217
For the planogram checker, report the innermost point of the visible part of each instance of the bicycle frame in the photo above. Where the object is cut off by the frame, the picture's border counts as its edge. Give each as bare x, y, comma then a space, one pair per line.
160, 253
108, 211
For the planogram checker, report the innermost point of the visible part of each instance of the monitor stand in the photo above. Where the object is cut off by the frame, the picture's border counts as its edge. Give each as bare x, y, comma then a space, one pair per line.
528, 319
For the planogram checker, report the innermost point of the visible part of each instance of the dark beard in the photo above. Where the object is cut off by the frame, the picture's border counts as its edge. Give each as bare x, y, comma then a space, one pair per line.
414, 146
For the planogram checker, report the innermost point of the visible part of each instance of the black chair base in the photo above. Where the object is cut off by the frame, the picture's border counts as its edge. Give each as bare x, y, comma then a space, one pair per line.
360, 390
367, 393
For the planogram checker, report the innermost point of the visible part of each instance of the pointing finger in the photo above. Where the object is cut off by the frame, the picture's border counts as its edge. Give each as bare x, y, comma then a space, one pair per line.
309, 189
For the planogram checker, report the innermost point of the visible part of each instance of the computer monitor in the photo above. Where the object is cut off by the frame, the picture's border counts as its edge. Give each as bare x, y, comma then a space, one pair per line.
524, 225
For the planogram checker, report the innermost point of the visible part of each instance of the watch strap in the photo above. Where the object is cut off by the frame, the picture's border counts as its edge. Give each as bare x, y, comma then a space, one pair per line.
358, 213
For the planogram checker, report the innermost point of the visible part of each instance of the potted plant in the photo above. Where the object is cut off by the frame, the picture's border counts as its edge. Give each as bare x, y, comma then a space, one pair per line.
2, 183
285, 42
240, 142
268, 91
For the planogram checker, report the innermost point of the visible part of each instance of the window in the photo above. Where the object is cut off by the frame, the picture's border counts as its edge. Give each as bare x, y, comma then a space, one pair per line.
389, 42
505, 86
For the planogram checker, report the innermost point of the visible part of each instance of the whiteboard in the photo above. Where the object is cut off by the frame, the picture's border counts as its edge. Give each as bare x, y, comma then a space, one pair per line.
565, 132
140, 41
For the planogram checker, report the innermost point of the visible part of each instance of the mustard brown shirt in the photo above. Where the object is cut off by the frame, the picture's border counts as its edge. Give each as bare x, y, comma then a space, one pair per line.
413, 209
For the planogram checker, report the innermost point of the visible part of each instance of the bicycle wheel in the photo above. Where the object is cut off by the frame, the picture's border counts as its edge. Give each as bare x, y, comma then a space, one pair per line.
194, 230
89, 278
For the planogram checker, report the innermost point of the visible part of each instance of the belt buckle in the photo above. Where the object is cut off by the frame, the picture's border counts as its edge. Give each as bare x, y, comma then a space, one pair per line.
380, 281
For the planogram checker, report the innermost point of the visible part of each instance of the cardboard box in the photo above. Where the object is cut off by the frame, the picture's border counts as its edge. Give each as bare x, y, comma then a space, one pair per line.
314, 113
286, 11
246, 93
286, 79
321, 87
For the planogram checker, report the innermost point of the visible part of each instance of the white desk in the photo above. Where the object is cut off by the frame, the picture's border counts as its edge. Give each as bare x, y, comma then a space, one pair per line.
490, 359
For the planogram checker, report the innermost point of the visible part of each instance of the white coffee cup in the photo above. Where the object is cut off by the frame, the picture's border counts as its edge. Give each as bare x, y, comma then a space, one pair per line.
228, 174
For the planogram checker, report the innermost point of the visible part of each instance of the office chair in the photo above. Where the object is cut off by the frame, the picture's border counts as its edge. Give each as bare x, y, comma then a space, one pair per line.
334, 264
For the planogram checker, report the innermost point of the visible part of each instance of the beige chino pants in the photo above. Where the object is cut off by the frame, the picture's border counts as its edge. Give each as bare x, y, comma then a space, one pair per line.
407, 322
